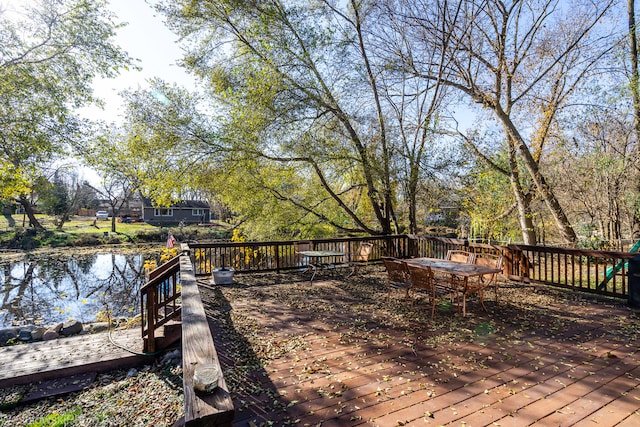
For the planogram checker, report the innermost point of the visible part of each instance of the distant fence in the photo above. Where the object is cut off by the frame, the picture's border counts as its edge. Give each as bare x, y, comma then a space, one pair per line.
601, 272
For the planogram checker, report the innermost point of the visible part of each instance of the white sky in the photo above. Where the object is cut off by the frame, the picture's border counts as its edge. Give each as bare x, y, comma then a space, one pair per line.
146, 39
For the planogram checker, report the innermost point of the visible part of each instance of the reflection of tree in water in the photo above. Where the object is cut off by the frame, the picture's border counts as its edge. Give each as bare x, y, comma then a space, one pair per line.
57, 288
12, 294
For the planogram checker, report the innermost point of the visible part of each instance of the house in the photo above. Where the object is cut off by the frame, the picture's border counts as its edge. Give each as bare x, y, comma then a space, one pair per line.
186, 211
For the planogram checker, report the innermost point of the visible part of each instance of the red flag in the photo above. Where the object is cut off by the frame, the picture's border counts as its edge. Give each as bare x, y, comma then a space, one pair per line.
171, 241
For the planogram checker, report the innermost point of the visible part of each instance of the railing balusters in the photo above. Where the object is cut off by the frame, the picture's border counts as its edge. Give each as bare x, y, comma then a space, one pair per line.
158, 300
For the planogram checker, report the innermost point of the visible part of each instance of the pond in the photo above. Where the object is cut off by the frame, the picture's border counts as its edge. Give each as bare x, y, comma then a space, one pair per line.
59, 287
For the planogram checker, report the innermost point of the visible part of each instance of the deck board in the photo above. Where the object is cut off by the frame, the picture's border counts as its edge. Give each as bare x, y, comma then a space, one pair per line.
558, 361
25, 363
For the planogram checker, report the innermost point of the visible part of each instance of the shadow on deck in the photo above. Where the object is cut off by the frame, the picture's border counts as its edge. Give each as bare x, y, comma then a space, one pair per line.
337, 354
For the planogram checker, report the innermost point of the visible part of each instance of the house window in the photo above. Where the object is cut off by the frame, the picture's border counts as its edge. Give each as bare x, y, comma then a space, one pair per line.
197, 212
162, 212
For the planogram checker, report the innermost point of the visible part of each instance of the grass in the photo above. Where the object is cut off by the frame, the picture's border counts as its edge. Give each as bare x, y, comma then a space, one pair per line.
85, 231
56, 419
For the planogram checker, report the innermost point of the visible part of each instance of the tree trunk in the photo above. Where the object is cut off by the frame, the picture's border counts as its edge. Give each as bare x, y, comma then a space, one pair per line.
28, 209
557, 212
635, 93
525, 218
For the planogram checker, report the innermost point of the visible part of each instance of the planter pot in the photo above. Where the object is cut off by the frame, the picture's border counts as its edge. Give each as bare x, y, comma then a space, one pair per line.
222, 277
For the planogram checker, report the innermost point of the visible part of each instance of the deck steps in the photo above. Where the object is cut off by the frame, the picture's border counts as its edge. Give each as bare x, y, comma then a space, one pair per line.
166, 335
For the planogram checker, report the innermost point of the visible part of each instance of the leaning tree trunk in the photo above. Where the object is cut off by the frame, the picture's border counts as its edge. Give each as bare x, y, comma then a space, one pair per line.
557, 212
525, 218
33, 221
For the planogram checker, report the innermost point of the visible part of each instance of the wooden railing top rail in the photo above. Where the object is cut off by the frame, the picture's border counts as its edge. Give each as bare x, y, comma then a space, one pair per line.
574, 251
287, 242
172, 264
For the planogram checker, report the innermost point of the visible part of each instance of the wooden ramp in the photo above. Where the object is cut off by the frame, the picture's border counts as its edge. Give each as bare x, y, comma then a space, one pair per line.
27, 363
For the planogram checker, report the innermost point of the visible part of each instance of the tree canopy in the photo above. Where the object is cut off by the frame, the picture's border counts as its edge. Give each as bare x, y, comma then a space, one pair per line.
48, 58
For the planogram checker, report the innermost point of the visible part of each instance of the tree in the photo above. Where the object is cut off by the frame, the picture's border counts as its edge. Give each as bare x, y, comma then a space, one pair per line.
48, 57
303, 94
514, 60
111, 155
64, 195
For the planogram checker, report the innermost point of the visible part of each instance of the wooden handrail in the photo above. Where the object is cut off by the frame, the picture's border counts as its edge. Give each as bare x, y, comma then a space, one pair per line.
578, 269
169, 284
159, 300
198, 349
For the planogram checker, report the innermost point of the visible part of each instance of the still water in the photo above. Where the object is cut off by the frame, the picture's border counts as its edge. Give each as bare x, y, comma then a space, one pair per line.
62, 287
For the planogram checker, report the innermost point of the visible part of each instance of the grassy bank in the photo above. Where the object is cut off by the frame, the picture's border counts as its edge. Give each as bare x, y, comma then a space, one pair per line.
84, 231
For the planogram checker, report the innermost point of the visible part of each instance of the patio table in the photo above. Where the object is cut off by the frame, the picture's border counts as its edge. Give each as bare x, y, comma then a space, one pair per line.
460, 269
315, 258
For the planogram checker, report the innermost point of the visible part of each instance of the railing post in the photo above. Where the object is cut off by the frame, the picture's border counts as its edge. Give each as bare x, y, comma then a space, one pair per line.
151, 319
277, 250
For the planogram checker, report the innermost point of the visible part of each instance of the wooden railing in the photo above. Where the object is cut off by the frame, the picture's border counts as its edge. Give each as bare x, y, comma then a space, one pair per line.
172, 291
160, 300
281, 256
602, 272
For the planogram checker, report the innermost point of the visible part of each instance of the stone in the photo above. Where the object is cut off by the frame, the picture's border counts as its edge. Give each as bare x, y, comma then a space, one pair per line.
25, 335
171, 357
50, 334
37, 333
7, 334
72, 327
96, 327
57, 327
133, 372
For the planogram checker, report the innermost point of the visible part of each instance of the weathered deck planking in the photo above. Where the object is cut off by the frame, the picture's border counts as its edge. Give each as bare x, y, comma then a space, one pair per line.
564, 363
25, 363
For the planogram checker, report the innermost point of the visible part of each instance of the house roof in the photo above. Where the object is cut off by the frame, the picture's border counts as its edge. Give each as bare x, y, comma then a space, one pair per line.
182, 204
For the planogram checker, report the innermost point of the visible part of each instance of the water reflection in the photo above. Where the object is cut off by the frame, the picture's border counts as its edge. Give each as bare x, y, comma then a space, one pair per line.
55, 289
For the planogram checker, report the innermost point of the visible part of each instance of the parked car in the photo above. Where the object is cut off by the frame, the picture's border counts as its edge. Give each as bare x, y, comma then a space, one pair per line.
103, 215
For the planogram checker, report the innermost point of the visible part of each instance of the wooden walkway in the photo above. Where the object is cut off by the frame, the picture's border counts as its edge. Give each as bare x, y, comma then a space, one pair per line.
28, 363
336, 354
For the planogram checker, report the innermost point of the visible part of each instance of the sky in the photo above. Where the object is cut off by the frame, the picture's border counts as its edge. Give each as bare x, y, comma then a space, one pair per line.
146, 39
152, 46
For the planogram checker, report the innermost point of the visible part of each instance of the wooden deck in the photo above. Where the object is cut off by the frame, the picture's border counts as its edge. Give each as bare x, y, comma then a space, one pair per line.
28, 363
337, 354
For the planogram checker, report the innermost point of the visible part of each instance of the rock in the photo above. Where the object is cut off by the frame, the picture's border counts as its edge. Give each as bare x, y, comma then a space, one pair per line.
133, 372
57, 327
50, 334
7, 334
72, 327
96, 327
37, 333
25, 335
171, 358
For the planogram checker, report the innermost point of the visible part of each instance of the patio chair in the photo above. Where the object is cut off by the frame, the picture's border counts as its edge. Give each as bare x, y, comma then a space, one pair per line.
397, 276
460, 256
493, 261
479, 284
361, 257
422, 279
302, 260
